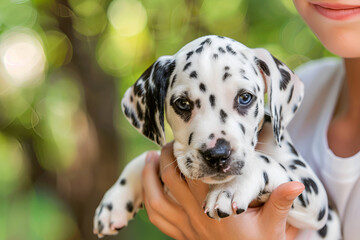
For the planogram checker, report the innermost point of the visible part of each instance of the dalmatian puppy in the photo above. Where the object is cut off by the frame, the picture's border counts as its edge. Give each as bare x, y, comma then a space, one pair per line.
228, 107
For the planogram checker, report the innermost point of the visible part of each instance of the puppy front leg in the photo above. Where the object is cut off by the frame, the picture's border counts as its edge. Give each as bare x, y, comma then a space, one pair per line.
234, 196
121, 201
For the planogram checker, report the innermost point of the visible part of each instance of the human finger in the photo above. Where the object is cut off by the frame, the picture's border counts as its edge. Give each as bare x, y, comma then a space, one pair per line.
154, 193
198, 189
178, 187
161, 223
276, 209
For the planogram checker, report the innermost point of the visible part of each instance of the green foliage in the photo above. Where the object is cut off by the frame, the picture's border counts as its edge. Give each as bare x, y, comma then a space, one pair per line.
41, 98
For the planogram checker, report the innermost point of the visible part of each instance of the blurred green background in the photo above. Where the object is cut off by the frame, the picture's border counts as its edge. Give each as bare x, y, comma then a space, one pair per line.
64, 65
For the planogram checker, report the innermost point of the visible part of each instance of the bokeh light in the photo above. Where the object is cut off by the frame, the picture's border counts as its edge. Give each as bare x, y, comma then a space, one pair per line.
128, 17
22, 58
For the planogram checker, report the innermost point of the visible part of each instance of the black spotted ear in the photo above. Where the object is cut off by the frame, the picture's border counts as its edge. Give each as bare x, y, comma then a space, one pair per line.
143, 103
284, 88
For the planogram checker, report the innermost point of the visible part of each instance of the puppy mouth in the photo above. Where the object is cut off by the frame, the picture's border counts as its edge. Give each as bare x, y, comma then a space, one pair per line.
219, 174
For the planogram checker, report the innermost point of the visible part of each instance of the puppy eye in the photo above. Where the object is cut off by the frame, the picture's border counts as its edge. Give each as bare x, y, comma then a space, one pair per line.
245, 98
183, 104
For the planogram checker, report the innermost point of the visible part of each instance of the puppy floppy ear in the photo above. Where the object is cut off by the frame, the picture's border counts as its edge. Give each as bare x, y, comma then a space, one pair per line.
284, 88
143, 103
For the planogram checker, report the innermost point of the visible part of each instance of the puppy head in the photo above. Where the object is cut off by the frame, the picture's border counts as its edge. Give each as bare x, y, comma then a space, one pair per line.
213, 93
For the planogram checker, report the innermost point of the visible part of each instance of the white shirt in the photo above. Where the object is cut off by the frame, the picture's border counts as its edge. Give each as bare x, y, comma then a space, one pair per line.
324, 81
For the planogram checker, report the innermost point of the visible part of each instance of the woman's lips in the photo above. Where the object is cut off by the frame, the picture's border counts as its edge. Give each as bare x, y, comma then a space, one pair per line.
336, 11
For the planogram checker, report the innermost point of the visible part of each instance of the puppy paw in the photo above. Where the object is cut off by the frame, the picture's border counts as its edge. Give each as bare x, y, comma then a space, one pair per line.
227, 199
117, 207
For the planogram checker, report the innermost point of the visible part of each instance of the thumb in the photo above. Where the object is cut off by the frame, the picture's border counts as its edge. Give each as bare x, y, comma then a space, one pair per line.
151, 168
276, 209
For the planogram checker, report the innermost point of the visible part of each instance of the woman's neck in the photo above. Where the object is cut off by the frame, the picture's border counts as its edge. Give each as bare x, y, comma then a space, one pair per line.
344, 129
352, 67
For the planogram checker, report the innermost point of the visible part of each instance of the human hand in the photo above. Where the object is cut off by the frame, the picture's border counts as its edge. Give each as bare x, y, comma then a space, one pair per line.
184, 219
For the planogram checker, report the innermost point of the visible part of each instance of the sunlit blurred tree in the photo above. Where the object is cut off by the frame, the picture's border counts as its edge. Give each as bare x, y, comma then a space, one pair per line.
64, 65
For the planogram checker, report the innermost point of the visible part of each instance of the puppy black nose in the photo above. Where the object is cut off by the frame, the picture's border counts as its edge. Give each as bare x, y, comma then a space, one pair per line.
218, 156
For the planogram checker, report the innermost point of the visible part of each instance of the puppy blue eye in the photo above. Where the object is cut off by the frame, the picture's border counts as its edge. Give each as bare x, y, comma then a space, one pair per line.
245, 99
183, 104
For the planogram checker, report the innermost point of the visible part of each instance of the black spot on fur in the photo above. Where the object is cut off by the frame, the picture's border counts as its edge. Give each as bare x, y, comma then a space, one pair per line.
122, 181
223, 116
131, 115
221, 50
187, 66
193, 74
139, 111
230, 50
131, 98
173, 81
295, 108
188, 163
189, 54
215, 56
322, 232
100, 226
242, 128
266, 178
244, 56
226, 75
101, 208
321, 214
277, 61
202, 87
199, 50
256, 110
310, 185
263, 66
212, 100
211, 136
329, 216
222, 214
293, 167
266, 159
282, 166
208, 41
227, 194
291, 94
292, 149
198, 103
256, 73
301, 198
109, 206
190, 138
129, 206
299, 163
226, 68
285, 79
223, 132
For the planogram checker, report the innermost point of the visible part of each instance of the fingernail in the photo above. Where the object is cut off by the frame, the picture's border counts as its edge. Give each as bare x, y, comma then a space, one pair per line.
234, 206
296, 192
206, 210
149, 157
